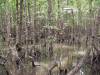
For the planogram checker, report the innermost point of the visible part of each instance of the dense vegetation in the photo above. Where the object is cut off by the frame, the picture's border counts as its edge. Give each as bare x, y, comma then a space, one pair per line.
49, 37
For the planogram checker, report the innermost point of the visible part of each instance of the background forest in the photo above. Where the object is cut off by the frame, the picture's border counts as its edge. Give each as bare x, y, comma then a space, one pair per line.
49, 37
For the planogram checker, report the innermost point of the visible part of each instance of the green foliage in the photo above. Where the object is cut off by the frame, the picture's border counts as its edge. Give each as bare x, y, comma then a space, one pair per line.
41, 6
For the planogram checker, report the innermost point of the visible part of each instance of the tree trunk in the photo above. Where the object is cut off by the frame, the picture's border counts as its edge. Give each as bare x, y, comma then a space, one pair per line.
19, 16
17, 20
21, 20
49, 11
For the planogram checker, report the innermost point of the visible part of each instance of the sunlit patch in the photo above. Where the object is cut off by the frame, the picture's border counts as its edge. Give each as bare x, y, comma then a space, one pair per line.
9, 0
80, 53
70, 10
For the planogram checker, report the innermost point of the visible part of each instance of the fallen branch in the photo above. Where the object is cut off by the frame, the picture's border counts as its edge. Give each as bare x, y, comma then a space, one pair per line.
79, 65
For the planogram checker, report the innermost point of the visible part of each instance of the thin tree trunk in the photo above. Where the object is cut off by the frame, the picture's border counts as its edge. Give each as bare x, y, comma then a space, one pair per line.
21, 20
17, 20
34, 15
8, 27
19, 16
49, 11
